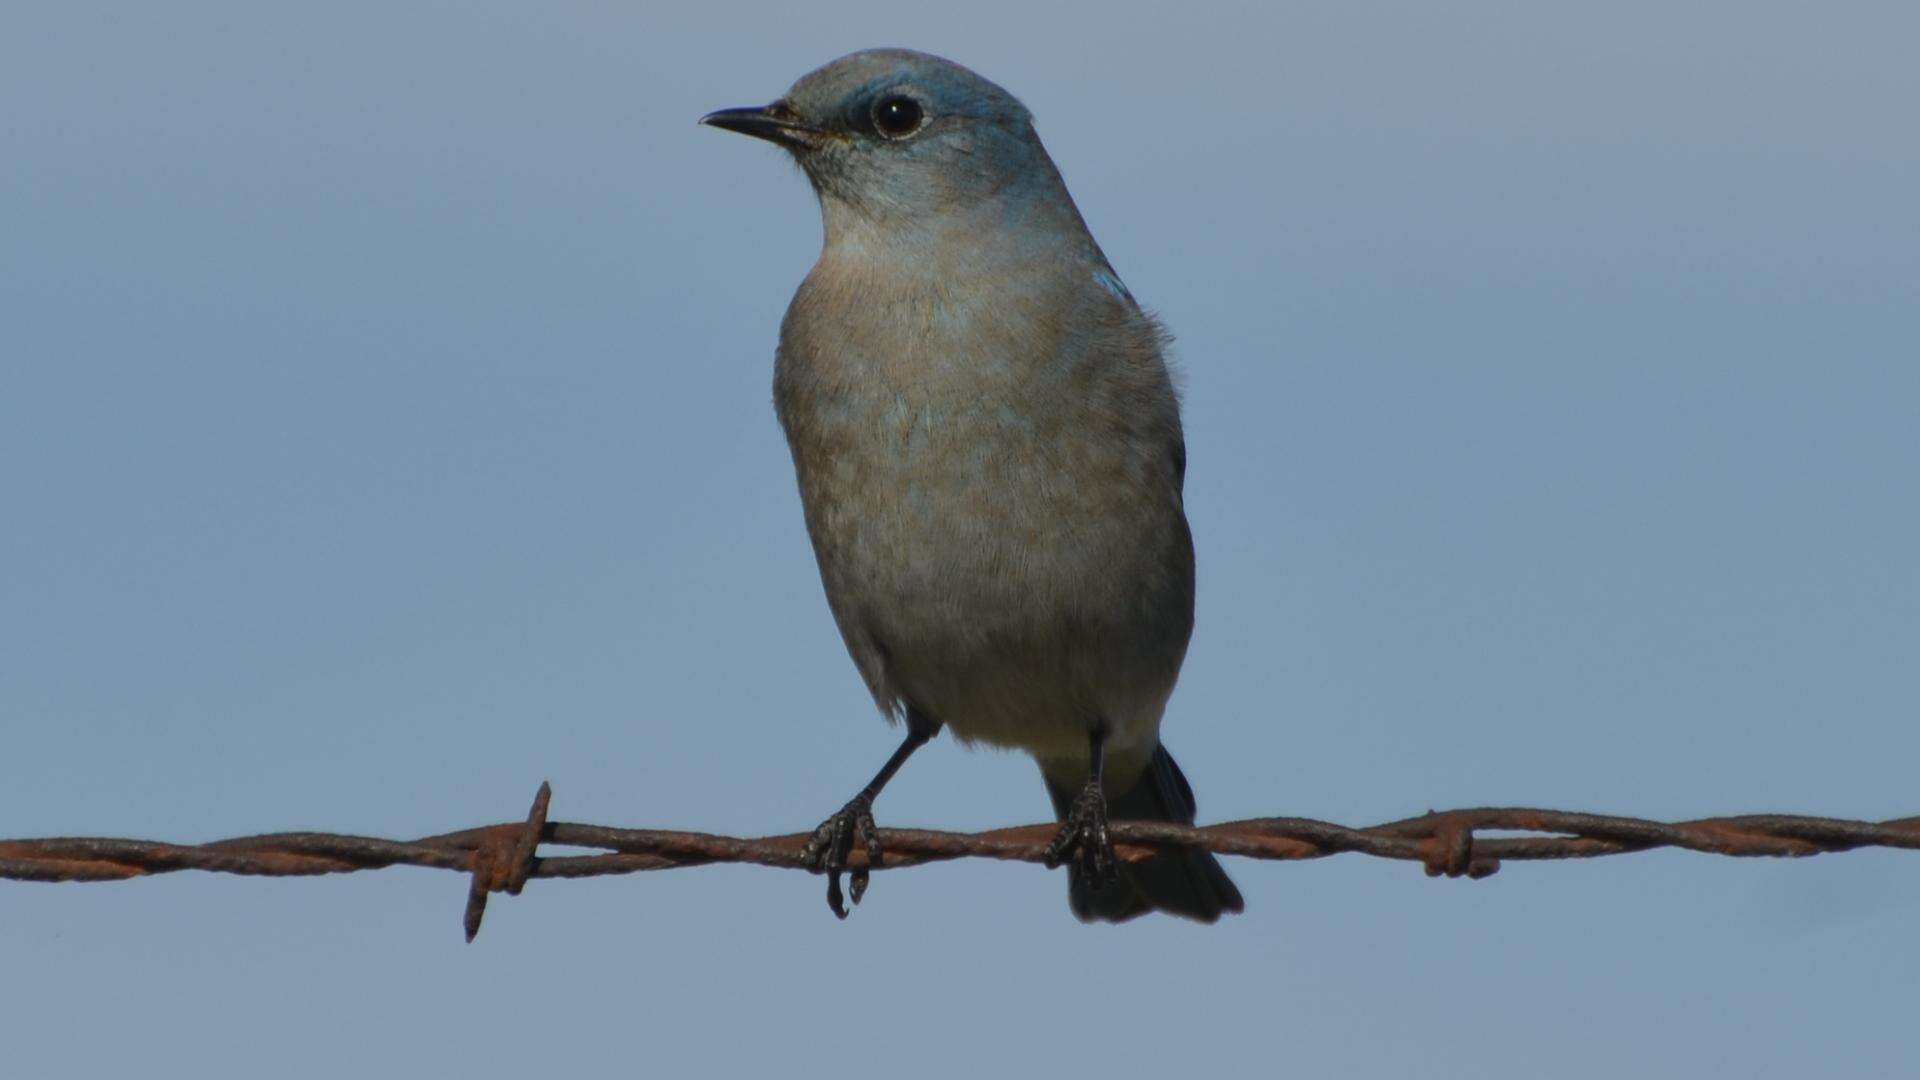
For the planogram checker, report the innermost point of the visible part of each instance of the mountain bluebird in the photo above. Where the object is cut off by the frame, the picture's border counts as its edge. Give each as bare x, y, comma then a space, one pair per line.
989, 454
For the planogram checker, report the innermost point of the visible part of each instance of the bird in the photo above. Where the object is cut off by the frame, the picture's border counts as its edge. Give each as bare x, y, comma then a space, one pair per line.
986, 437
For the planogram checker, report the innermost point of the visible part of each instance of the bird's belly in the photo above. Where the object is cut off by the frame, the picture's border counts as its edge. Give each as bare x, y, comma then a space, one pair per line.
1017, 585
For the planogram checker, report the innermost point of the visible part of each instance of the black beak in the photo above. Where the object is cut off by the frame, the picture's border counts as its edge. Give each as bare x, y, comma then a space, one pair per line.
776, 123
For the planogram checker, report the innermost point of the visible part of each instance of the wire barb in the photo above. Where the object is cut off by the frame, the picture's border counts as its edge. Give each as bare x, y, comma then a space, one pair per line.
503, 858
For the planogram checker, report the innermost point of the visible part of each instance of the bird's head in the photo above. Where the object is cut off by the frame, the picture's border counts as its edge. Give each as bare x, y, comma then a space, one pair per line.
892, 134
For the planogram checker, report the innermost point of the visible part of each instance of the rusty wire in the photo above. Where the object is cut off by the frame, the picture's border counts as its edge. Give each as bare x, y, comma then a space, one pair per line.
503, 858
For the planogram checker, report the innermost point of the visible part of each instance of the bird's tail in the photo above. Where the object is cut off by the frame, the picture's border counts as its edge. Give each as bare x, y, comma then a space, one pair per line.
1185, 882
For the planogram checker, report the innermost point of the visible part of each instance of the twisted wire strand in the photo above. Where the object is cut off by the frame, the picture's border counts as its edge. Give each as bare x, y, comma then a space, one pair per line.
503, 858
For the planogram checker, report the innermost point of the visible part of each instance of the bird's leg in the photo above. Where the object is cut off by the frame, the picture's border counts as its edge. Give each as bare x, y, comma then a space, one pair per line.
827, 849
1083, 835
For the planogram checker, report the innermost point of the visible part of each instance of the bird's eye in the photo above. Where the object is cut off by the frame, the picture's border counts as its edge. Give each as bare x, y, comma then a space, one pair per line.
897, 116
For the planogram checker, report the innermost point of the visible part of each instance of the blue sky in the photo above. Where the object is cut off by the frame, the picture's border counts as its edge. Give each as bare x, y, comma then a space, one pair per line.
385, 428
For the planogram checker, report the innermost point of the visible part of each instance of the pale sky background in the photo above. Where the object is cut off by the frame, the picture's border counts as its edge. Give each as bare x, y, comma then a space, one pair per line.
385, 428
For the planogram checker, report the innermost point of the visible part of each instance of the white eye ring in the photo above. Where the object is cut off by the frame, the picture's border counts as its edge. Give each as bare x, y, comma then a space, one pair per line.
897, 116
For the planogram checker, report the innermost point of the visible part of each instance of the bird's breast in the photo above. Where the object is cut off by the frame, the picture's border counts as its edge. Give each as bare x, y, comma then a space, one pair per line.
993, 498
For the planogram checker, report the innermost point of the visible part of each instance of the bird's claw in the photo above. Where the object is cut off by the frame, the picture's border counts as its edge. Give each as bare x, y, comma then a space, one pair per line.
827, 850
1083, 841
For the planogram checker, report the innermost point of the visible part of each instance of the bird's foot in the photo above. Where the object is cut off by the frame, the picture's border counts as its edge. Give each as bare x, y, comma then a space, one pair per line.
1084, 842
827, 850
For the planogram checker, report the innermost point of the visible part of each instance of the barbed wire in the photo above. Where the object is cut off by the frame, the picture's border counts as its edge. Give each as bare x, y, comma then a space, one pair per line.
503, 858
